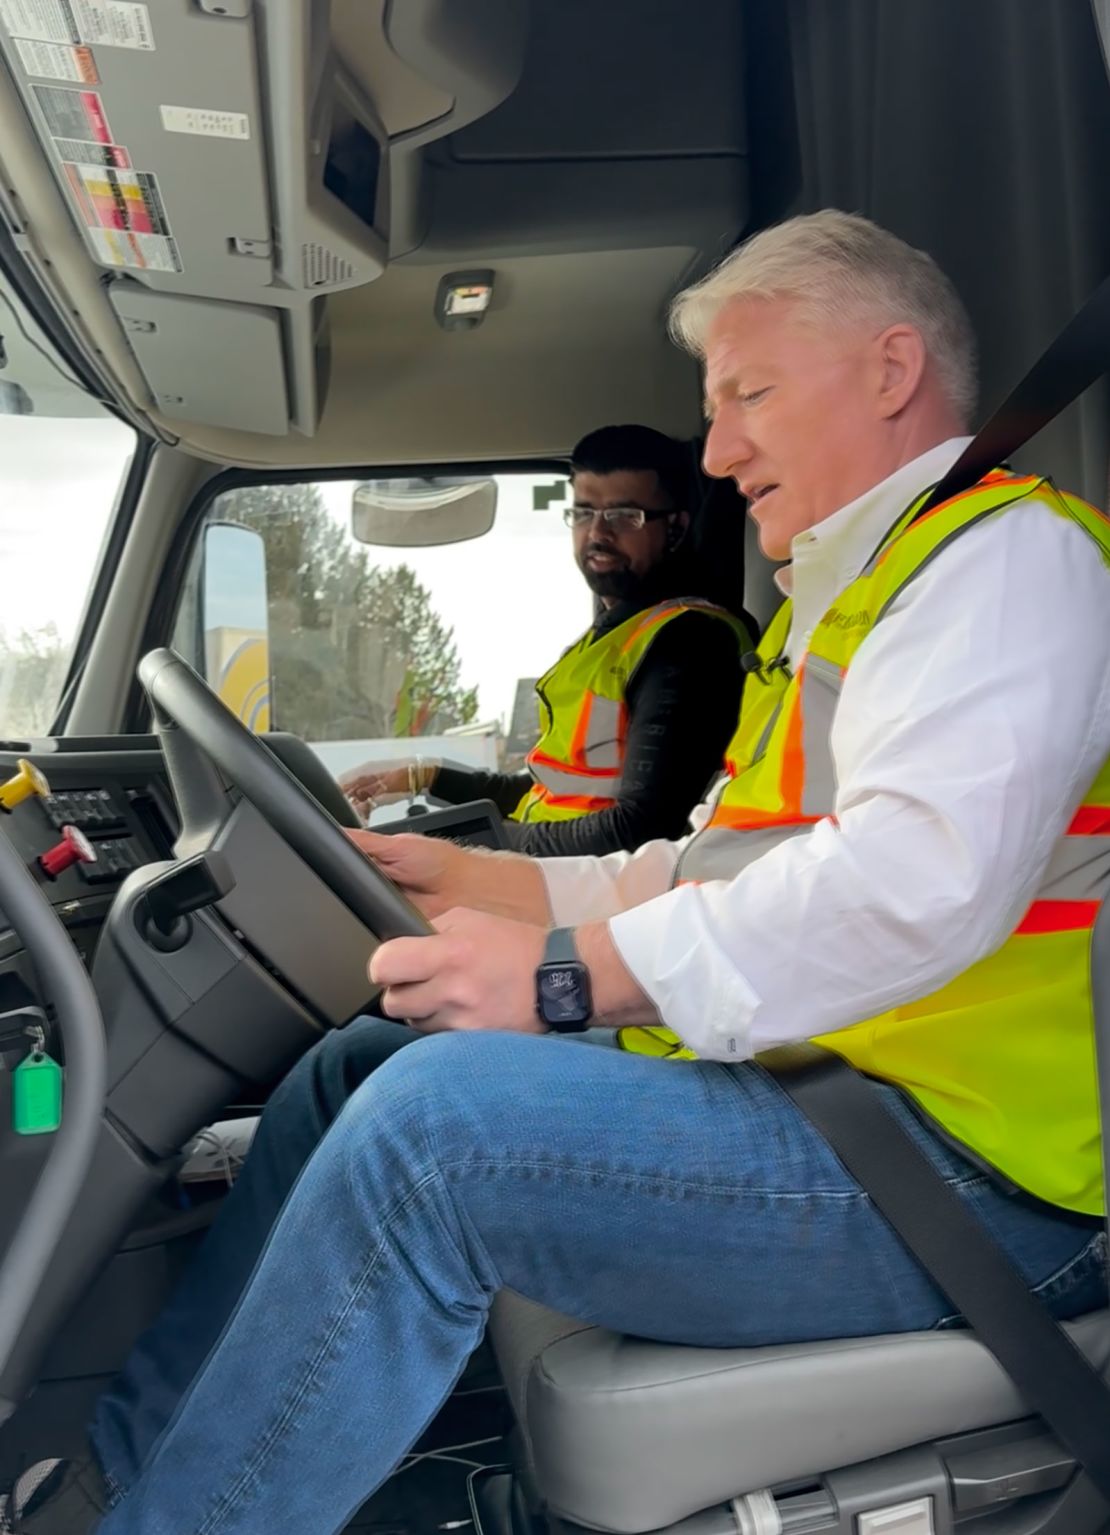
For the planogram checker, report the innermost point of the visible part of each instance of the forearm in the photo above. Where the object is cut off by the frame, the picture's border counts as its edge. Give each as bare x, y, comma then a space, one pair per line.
508, 885
617, 999
458, 785
624, 826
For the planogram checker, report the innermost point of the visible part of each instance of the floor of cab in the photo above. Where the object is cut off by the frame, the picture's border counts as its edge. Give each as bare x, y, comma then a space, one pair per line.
429, 1491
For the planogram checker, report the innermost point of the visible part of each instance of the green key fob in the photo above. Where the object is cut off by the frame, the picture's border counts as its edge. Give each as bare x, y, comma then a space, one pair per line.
36, 1095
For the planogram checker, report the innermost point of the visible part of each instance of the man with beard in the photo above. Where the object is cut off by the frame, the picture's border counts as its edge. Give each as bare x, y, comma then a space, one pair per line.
636, 714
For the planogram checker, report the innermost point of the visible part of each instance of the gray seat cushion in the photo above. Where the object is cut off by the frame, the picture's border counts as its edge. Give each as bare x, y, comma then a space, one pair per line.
629, 1436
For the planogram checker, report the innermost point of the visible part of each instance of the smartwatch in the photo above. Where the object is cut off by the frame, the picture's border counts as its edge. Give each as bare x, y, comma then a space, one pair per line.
563, 1000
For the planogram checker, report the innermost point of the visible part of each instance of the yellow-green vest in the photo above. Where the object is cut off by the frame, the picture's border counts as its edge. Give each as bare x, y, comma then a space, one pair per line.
1003, 1056
577, 762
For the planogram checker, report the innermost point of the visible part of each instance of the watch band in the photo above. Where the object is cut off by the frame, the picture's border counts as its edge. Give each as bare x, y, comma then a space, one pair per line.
560, 947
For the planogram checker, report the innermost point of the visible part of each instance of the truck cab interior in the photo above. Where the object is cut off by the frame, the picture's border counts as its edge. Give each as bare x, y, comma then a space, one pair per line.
261, 248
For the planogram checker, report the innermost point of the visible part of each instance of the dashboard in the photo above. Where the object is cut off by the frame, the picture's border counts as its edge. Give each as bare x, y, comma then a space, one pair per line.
114, 792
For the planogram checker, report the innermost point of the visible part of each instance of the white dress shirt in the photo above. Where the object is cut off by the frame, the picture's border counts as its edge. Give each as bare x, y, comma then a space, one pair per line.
971, 724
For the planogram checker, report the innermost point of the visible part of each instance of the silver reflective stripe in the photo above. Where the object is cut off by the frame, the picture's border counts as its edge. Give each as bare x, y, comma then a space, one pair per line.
765, 736
565, 781
722, 852
821, 685
1079, 870
602, 746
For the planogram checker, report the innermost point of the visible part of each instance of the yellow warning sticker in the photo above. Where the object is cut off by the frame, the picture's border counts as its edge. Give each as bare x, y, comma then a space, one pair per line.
124, 216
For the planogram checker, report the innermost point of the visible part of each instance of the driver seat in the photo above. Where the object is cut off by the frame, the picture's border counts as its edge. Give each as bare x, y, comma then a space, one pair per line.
910, 1434
624, 1435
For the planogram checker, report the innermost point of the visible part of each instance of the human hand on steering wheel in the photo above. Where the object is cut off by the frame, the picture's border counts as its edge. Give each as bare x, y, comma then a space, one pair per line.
438, 876
206, 748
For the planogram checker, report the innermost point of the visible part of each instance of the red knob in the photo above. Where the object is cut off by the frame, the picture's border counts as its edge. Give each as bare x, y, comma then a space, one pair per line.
74, 847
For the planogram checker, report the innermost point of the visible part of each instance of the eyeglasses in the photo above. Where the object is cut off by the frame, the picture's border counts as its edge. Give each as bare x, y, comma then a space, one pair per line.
618, 519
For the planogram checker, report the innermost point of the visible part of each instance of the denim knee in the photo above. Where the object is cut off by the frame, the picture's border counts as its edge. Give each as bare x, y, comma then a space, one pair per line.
433, 1102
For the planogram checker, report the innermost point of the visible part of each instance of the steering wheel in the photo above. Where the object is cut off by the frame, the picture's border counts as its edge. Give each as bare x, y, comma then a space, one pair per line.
206, 748
60, 1185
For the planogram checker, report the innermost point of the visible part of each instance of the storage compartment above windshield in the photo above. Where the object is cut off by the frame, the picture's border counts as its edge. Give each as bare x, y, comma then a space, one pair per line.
226, 171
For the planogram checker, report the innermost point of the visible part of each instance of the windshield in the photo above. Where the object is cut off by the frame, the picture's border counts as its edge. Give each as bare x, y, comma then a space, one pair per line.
359, 647
62, 460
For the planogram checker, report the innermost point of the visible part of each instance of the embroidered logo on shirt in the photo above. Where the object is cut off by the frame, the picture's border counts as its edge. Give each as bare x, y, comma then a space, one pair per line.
841, 620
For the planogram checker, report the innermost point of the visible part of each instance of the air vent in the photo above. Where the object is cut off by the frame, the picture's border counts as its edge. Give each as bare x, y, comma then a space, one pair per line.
323, 267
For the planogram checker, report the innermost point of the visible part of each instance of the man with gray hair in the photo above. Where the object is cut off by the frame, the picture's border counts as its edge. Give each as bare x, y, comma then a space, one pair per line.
904, 866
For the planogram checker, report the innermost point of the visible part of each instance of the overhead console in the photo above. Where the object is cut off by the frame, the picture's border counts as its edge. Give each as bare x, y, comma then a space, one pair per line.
228, 172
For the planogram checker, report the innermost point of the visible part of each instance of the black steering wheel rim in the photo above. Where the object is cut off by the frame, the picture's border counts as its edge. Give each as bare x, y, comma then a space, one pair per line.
184, 701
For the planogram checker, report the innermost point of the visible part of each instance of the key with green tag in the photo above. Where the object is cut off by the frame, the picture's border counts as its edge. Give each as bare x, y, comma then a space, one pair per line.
37, 1092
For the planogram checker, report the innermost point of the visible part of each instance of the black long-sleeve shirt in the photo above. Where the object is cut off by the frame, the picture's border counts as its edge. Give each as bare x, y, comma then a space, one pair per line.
683, 703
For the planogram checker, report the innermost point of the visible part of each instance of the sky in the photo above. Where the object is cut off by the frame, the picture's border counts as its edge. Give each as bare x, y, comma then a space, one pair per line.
58, 481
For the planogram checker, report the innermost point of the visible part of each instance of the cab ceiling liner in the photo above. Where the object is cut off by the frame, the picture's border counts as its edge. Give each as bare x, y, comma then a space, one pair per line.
228, 173
628, 130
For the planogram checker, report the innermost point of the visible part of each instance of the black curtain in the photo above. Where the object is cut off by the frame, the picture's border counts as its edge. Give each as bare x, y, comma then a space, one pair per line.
977, 129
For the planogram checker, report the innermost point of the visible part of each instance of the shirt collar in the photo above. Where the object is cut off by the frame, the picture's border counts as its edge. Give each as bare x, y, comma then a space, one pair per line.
851, 535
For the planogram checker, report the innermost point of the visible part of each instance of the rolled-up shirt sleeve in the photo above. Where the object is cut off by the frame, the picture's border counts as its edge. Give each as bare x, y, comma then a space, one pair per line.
592, 889
971, 723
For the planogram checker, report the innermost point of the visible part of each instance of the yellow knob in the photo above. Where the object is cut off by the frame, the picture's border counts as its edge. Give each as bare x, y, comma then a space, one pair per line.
27, 781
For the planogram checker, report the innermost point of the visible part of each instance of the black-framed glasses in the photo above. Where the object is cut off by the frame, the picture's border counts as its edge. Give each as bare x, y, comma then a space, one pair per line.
618, 519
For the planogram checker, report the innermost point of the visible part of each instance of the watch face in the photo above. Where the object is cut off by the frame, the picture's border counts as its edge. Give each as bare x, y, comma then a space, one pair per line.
564, 995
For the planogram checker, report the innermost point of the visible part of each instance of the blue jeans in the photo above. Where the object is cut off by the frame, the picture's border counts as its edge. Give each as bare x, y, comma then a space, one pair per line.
391, 1193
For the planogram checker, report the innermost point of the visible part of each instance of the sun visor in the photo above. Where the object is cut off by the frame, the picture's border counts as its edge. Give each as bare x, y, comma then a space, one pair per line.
219, 161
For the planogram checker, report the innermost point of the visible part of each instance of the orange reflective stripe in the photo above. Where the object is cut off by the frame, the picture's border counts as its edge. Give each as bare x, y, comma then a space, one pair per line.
1090, 821
578, 739
746, 819
996, 477
789, 813
1058, 917
655, 618
793, 756
543, 760
581, 802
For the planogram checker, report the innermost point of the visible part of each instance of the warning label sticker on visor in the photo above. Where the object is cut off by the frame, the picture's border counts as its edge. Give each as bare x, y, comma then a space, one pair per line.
123, 213
57, 61
103, 23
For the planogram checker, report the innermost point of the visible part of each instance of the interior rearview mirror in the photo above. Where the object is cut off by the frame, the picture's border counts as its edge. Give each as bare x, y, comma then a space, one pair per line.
418, 513
233, 622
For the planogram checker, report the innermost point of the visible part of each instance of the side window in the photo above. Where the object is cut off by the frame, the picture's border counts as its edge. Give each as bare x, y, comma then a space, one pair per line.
358, 615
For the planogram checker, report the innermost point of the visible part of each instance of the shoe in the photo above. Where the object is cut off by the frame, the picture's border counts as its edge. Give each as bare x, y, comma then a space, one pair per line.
57, 1497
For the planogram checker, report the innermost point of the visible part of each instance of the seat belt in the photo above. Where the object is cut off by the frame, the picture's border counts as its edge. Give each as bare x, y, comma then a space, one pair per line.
1055, 1379
954, 1249
1079, 355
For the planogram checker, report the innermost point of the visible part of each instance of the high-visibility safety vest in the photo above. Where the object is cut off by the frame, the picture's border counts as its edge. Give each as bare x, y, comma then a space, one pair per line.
577, 762
1002, 1057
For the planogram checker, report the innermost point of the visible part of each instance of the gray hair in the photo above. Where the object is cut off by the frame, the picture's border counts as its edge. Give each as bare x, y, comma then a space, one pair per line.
842, 268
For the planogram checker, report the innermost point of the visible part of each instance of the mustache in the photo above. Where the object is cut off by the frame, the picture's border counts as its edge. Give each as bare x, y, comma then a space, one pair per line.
607, 549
